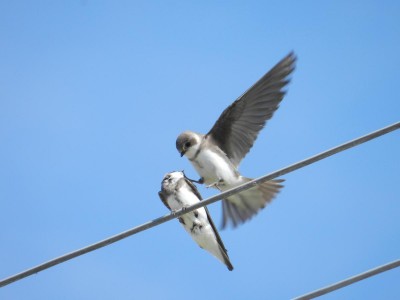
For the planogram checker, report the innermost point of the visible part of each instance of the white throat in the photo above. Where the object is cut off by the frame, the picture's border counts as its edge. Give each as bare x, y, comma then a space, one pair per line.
193, 151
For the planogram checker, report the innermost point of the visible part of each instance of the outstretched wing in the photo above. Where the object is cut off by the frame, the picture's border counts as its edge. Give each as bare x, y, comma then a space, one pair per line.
238, 126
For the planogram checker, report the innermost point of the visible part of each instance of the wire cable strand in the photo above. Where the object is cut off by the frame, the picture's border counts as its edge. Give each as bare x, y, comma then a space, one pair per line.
348, 281
208, 201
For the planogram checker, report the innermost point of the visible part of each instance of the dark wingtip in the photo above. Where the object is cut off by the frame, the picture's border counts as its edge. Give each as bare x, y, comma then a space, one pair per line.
292, 56
289, 61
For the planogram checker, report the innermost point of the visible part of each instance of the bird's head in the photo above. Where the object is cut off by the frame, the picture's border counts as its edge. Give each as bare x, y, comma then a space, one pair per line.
187, 143
171, 179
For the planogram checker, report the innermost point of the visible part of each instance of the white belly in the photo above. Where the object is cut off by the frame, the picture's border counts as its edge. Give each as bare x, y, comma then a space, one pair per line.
213, 167
186, 196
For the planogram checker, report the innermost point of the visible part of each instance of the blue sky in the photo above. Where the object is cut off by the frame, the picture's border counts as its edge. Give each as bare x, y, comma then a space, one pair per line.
93, 95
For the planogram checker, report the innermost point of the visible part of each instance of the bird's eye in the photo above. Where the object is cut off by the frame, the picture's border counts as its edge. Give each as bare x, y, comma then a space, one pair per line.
187, 144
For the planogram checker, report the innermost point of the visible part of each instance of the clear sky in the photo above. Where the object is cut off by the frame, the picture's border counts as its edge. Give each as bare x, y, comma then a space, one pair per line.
93, 95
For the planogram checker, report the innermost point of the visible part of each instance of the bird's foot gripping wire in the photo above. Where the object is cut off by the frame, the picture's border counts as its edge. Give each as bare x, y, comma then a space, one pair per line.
174, 212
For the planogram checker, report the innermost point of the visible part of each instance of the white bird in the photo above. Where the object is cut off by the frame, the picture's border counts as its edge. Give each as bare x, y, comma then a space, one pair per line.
177, 193
217, 154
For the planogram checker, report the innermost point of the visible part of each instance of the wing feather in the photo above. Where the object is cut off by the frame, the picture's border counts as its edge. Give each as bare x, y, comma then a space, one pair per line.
238, 126
163, 198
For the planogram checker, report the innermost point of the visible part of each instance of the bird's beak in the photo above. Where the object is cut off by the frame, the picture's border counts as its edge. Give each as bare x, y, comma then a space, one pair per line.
183, 151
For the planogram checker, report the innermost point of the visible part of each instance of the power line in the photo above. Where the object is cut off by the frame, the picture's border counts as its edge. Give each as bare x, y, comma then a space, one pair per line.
349, 281
208, 201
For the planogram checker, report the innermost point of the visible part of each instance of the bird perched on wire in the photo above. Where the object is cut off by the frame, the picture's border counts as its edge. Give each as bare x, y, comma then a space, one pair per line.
177, 192
217, 154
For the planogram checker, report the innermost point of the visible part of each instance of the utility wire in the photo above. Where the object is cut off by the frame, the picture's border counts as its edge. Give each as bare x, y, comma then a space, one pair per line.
208, 201
351, 280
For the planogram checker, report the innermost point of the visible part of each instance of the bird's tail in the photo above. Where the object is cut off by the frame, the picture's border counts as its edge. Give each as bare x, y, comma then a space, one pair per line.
225, 259
241, 207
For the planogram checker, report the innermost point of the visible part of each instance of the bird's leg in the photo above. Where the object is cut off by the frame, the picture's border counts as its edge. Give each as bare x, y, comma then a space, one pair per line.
200, 181
216, 184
